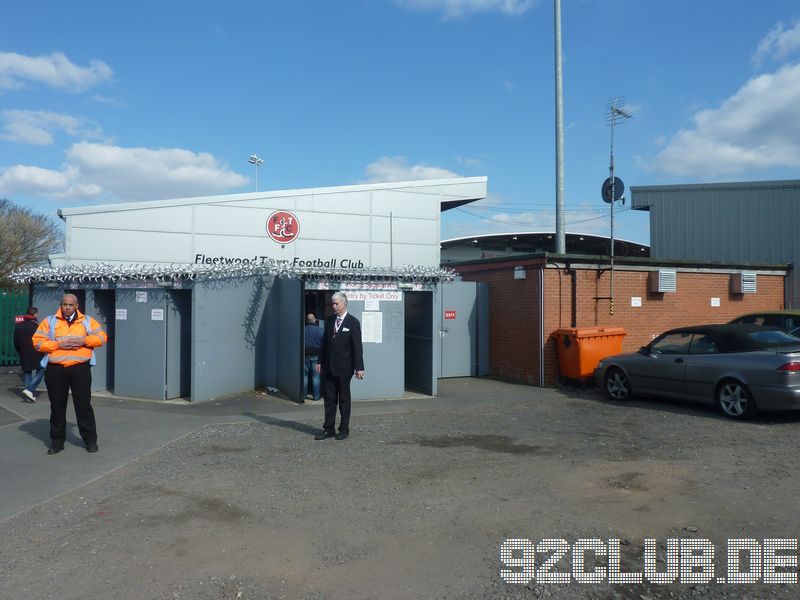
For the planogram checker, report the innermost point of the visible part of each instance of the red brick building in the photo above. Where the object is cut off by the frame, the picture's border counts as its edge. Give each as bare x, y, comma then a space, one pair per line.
531, 297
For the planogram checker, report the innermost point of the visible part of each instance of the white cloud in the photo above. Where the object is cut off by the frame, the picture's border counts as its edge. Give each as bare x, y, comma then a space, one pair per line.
100, 99
453, 9
396, 168
55, 70
778, 44
469, 161
35, 181
756, 128
116, 173
37, 127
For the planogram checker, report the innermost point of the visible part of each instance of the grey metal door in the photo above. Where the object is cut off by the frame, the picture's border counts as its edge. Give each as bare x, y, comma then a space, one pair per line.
289, 337
141, 340
458, 318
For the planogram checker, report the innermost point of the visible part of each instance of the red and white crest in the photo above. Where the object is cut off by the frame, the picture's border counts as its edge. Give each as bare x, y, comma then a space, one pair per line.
283, 226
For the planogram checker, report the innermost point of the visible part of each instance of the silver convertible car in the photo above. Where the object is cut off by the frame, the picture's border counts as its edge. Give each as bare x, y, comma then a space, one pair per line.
739, 367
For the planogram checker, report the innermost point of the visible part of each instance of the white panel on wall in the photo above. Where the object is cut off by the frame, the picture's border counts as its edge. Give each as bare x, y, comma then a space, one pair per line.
415, 231
381, 255
330, 226
231, 220
405, 254
213, 246
168, 218
352, 203
421, 204
273, 203
97, 245
380, 229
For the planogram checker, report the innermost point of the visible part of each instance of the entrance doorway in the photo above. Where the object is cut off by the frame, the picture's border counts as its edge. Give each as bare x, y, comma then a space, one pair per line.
419, 342
103, 309
178, 382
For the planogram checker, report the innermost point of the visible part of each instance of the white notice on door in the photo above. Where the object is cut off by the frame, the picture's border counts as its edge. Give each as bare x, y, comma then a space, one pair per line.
141, 296
372, 304
121, 314
156, 314
372, 327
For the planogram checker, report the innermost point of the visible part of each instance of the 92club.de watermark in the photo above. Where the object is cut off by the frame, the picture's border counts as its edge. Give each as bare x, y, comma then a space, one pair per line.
684, 560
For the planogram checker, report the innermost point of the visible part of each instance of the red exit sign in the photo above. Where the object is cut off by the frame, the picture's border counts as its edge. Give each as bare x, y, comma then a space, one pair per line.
449, 314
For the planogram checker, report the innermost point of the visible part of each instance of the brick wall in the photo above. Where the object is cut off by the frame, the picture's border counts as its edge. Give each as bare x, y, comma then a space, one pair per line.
514, 324
514, 309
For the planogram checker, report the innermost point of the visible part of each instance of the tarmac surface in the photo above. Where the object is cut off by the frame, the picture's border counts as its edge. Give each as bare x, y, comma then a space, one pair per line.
234, 499
127, 429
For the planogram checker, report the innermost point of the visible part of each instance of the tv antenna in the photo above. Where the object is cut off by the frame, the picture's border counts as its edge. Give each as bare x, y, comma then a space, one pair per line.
613, 188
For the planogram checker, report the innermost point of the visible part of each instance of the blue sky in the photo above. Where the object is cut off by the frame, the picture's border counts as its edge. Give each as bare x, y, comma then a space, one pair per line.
111, 102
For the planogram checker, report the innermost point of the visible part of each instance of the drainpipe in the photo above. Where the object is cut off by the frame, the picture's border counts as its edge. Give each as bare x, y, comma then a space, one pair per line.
541, 324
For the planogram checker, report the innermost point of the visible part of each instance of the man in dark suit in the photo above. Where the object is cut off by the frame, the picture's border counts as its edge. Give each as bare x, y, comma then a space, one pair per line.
340, 355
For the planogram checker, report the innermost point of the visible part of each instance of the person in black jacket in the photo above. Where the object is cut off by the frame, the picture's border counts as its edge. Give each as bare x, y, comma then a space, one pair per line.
340, 355
29, 358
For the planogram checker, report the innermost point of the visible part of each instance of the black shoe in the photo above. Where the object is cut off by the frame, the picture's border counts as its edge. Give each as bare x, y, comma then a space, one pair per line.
324, 435
342, 435
54, 449
92, 447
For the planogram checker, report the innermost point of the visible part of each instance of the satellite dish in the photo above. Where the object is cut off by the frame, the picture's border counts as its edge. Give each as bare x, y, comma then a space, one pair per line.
619, 189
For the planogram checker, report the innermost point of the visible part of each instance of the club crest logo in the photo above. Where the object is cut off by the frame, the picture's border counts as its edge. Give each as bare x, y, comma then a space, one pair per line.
283, 226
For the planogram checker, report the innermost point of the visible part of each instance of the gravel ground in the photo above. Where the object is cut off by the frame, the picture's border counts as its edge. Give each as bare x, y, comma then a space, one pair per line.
413, 505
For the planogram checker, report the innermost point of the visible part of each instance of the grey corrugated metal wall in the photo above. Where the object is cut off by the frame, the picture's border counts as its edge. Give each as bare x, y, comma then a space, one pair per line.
733, 222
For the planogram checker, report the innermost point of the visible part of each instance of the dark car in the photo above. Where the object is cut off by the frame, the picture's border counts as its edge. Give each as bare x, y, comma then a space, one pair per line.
786, 320
739, 367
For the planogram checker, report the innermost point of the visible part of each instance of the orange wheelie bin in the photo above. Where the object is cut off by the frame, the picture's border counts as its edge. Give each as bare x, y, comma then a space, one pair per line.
580, 349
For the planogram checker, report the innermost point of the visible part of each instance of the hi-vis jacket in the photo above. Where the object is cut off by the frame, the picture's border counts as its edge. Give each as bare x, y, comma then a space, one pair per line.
46, 341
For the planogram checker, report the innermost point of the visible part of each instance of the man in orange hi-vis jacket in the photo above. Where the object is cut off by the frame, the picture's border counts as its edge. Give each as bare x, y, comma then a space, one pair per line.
68, 339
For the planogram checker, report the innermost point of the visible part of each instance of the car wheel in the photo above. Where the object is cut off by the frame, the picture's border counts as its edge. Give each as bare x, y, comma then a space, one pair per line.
735, 400
617, 385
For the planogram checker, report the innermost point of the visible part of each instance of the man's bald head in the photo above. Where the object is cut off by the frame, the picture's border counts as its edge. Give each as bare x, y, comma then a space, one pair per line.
69, 304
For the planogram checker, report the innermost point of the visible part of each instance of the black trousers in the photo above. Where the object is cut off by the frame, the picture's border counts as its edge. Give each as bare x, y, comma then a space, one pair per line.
337, 393
59, 380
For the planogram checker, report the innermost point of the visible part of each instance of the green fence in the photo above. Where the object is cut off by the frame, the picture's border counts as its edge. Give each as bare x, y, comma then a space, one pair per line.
13, 302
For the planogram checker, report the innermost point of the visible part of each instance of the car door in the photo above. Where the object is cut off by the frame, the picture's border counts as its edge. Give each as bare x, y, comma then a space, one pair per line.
662, 371
702, 367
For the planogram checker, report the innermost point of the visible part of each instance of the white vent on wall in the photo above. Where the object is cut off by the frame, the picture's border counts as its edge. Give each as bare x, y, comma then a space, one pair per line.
663, 280
743, 283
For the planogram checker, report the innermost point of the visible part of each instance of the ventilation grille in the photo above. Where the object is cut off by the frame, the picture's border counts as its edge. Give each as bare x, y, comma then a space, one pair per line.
663, 280
744, 282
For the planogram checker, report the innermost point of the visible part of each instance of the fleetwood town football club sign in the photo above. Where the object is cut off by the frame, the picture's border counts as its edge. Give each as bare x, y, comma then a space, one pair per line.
283, 226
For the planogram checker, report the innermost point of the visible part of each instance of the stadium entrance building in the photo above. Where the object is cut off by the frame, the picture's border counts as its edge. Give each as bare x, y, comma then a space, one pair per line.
205, 297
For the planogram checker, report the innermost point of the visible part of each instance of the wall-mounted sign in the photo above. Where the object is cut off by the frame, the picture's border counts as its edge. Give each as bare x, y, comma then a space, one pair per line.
121, 314
372, 327
141, 296
283, 226
636, 300
449, 314
367, 295
156, 314
715, 302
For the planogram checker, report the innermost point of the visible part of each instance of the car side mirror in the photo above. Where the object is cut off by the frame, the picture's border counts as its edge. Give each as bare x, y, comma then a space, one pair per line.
644, 350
